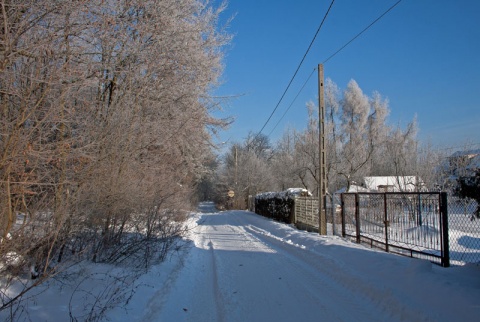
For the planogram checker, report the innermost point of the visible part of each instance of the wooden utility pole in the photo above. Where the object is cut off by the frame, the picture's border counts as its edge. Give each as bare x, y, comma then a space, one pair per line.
322, 178
236, 180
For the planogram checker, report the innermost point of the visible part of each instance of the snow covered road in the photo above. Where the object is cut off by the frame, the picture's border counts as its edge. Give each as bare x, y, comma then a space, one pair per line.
244, 267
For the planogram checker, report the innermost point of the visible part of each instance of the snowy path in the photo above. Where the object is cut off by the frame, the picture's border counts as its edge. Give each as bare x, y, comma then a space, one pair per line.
243, 267
246, 268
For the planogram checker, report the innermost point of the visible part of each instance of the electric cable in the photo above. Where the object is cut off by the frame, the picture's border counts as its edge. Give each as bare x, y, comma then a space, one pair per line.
361, 32
330, 57
285, 113
295, 74
459, 147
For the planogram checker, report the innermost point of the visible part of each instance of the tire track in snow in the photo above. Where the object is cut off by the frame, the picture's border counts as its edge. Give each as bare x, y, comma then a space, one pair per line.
294, 284
337, 291
344, 284
245, 269
191, 292
219, 305
320, 289
206, 243
336, 299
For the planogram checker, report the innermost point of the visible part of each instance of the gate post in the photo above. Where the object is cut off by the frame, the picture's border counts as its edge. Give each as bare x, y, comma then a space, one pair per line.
357, 218
342, 203
445, 237
387, 223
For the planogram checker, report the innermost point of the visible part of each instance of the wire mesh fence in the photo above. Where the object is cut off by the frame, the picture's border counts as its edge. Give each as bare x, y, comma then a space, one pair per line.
464, 231
414, 224
410, 224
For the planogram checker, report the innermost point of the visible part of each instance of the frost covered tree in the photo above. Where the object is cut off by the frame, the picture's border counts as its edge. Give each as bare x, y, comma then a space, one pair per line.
105, 122
283, 163
246, 169
359, 140
356, 139
379, 132
306, 151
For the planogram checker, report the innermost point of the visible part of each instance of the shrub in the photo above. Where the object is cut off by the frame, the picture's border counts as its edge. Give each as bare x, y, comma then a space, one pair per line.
278, 205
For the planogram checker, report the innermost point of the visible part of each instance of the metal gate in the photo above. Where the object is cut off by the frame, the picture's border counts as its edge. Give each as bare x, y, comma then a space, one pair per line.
414, 224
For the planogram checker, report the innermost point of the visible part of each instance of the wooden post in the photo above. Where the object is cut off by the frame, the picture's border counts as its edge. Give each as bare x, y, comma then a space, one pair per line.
235, 202
322, 182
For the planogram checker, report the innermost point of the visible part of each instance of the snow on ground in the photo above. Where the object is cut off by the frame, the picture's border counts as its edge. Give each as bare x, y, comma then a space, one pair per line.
243, 267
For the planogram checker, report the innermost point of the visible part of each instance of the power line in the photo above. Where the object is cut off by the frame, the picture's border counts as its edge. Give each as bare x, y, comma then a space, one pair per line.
295, 74
459, 147
361, 32
285, 113
326, 60
330, 57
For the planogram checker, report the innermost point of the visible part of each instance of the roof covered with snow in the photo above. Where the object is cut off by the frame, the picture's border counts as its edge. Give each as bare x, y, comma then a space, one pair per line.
353, 188
394, 183
289, 193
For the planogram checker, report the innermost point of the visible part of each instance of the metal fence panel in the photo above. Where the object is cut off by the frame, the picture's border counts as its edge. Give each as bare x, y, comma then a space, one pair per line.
348, 215
410, 224
405, 223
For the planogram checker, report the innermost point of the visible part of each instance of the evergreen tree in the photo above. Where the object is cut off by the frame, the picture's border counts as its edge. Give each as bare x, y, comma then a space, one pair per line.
469, 187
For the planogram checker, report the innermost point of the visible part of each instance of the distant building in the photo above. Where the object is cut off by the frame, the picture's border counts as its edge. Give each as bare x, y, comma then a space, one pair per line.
394, 184
353, 188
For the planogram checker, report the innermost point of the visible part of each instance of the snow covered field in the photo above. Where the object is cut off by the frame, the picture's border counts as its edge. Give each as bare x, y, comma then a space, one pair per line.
243, 267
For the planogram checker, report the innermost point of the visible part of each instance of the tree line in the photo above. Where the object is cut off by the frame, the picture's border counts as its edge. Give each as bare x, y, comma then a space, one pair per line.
359, 141
105, 126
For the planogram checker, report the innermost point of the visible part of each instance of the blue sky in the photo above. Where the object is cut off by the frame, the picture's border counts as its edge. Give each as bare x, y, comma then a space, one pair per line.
424, 56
